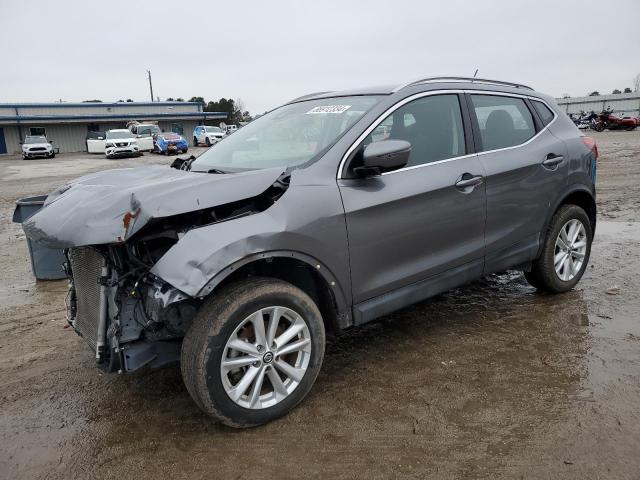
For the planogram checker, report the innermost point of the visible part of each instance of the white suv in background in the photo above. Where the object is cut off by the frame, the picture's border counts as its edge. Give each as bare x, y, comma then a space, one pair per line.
121, 143
37, 146
207, 135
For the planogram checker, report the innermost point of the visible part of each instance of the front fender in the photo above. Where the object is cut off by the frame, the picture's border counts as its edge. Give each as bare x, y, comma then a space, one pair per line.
205, 256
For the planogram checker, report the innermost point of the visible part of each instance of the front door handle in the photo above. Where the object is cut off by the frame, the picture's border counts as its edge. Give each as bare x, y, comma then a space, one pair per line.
552, 161
469, 182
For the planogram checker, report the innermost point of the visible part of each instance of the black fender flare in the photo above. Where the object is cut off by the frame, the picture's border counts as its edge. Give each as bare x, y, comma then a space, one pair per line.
571, 189
343, 307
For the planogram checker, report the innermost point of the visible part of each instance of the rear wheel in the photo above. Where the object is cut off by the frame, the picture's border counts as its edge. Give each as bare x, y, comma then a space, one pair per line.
565, 253
253, 352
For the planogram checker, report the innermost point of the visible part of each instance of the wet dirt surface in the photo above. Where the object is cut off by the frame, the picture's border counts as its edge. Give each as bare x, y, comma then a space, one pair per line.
492, 380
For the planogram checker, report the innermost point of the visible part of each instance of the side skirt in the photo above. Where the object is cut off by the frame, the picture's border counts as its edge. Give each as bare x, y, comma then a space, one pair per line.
378, 306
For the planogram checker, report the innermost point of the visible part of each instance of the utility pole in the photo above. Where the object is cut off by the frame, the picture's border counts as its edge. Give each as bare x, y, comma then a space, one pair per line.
150, 84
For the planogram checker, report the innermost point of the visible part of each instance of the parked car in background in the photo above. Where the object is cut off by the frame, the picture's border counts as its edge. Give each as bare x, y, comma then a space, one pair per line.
312, 218
121, 143
144, 133
231, 128
170, 143
207, 135
37, 146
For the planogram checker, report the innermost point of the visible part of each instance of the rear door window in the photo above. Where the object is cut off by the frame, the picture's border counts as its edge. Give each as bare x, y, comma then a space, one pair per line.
503, 121
546, 115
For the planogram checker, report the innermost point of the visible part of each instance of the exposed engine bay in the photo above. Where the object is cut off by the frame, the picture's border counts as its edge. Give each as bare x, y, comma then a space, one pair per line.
130, 317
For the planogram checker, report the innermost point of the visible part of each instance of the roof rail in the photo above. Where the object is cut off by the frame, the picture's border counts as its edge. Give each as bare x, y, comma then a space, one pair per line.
462, 79
308, 95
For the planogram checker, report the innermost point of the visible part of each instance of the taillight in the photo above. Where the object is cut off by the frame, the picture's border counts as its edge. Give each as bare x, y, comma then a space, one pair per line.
591, 145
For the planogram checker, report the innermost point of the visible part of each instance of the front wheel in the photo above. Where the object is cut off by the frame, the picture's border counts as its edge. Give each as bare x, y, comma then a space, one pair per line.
208, 142
195, 141
565, 252
253, 351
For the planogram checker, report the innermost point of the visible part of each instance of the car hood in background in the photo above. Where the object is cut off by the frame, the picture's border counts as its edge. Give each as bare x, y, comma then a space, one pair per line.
111, 206
39, 145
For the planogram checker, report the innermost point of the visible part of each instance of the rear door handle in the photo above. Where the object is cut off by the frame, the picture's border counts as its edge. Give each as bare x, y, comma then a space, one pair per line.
552, 161
469, 182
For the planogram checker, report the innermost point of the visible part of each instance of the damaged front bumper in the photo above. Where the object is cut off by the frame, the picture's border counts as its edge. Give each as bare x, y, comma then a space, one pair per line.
129, 319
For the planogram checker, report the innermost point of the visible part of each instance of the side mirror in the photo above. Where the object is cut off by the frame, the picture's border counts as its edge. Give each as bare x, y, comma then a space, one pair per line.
384, 156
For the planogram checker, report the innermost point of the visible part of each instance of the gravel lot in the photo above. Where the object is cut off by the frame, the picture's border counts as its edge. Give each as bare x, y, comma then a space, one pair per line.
489, 381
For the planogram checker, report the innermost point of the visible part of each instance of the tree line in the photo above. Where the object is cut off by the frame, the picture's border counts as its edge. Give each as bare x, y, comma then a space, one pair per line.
596, 93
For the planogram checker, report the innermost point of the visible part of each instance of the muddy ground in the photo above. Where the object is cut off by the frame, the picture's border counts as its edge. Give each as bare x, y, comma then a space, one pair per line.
489, 381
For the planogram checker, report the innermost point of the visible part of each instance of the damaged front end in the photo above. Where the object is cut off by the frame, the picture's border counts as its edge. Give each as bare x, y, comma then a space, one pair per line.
128, 317
114, 236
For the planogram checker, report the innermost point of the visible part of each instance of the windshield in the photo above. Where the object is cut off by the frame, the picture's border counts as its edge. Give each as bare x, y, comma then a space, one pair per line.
213, 130
117, 134
35, 140
290, 136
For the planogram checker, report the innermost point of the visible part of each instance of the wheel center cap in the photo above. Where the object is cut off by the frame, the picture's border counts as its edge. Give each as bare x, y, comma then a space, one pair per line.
267, 357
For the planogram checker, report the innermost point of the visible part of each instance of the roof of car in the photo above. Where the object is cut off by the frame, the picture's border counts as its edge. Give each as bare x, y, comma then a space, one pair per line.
476, 83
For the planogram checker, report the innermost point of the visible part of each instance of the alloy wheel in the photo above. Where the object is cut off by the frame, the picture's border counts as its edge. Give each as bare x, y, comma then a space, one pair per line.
266, 357
570, 250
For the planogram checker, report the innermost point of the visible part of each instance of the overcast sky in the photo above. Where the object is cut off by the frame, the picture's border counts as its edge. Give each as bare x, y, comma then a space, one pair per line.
267, 52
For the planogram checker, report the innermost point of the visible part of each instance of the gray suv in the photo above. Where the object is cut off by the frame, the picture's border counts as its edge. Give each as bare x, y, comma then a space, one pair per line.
326, 213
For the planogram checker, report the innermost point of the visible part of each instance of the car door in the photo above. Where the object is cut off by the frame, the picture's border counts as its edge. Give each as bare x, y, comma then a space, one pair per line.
525, 168
96, 142
421, 221
145, 140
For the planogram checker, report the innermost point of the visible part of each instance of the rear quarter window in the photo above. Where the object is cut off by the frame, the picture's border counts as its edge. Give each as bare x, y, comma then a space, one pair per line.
545, 113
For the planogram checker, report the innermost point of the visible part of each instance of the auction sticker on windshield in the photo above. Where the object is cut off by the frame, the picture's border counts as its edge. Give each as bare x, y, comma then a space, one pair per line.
329, 109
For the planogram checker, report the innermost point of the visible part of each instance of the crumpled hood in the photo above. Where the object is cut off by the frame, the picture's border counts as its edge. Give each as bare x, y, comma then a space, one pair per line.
110, 206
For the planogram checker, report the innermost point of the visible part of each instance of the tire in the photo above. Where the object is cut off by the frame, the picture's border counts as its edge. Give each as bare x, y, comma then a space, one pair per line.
195, 141
543, 274
598, 127
220, 319
53, 155
630, 128
208, 142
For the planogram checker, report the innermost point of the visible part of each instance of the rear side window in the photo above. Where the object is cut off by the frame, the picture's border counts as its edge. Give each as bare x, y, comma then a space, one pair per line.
503, 121
432, 125
546, 115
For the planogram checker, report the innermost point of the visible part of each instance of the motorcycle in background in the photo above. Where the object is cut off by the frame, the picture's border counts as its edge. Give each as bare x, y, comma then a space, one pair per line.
608, 120
584, 120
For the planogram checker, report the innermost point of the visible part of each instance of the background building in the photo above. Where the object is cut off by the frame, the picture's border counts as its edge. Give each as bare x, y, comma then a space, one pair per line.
627, 103
67, 124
